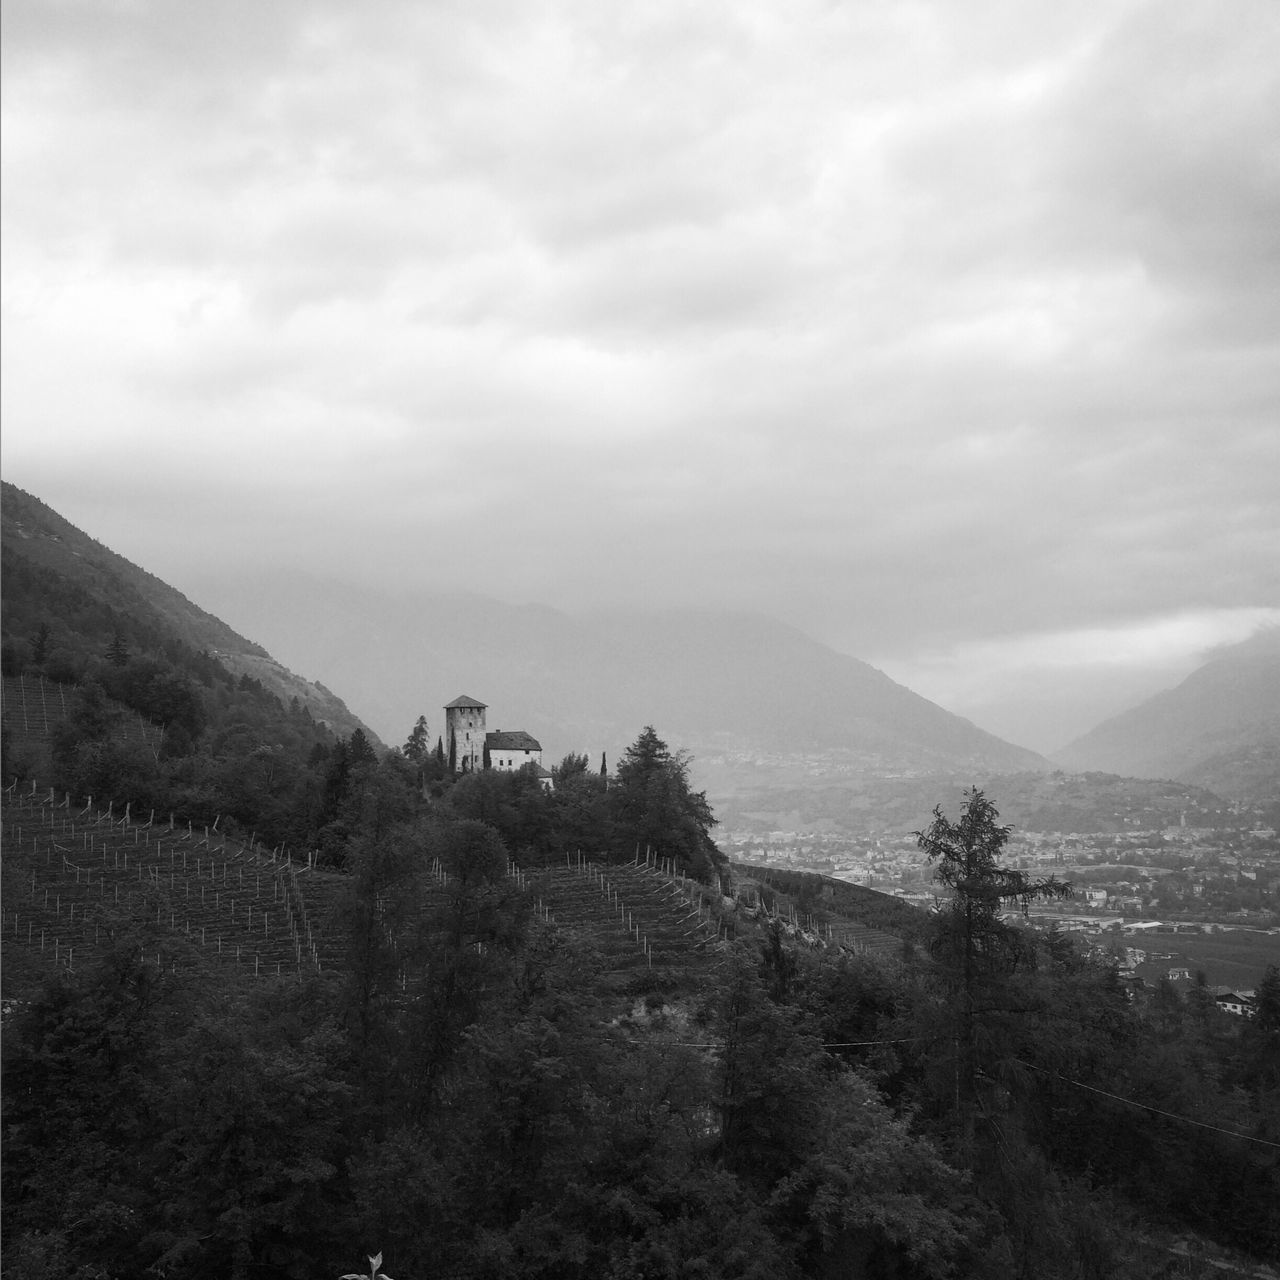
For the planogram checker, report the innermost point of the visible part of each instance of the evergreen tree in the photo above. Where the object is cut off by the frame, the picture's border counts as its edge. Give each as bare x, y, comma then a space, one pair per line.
418, 743
117, 651
359, 749
976, 947
653, 807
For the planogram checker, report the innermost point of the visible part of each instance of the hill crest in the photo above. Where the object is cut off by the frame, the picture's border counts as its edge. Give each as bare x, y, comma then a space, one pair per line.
38, 542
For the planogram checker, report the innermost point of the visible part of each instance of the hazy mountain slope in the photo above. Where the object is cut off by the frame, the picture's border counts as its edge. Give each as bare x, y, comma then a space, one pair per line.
590, 683
56, 574
1219, 728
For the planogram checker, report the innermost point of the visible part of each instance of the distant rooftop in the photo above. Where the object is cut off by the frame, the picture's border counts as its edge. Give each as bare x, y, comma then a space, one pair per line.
511, 740
465, 700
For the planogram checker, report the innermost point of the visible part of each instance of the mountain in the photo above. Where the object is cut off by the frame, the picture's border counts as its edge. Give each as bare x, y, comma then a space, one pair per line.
709, 681
56, 576
1219, 728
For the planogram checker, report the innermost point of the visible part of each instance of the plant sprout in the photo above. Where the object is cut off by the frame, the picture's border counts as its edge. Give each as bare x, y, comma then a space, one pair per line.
375, 1272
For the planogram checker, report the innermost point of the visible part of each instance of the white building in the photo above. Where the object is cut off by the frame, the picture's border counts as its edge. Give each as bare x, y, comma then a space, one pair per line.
472, 746
512, 750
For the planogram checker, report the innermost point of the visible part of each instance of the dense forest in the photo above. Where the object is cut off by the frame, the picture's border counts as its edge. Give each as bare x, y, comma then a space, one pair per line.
990, 1104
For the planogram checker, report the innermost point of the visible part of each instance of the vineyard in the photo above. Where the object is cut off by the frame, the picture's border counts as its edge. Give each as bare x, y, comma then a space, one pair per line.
34, 707
75, 880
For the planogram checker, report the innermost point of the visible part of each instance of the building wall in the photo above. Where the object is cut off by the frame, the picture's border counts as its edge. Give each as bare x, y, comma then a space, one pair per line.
466, 727
502, 758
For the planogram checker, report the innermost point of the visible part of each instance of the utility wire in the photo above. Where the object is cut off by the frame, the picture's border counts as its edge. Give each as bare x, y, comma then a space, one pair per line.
1169, 1115
862, 1044
836, 1044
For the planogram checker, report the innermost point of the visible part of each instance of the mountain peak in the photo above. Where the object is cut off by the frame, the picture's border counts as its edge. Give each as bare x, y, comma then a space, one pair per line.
1219, 728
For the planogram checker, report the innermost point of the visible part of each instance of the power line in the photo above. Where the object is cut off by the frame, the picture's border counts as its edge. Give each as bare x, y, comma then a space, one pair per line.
834, 1044
1169, 1115
862, 1044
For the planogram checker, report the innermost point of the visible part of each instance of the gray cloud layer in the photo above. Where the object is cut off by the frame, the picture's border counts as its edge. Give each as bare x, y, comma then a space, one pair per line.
923, 325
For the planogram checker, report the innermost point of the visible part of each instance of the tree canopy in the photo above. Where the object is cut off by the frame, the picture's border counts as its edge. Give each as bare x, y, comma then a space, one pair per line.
654, 808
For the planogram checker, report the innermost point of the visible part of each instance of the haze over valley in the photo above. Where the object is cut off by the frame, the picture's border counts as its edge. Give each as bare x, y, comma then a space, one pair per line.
775, 721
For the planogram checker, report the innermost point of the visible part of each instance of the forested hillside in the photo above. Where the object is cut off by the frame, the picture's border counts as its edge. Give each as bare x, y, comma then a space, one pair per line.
67, 598
116, 686
461, 1094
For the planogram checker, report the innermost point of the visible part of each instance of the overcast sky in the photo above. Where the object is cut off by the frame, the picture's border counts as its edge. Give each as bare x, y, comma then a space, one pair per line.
949, 332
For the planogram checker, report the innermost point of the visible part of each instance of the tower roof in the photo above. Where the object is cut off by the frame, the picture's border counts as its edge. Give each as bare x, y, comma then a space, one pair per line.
464, 700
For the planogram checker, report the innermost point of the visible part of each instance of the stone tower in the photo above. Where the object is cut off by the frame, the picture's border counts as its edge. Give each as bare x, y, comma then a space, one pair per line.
464, 728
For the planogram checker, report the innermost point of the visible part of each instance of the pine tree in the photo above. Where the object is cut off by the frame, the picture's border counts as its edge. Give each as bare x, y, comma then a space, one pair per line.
654, 807
416, 746
117, 651
976, 947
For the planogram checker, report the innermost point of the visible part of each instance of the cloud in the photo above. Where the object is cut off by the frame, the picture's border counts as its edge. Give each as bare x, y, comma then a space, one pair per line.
916, 324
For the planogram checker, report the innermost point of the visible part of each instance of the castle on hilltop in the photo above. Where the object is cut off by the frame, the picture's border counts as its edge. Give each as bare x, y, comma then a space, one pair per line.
472, 746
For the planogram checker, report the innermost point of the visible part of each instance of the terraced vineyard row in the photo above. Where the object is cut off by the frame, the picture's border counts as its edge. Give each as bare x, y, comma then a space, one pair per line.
632, 916
73, 881
33, 707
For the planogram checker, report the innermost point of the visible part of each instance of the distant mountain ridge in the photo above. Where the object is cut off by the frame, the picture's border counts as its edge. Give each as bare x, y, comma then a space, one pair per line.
45, 554
710, 681
1219, 728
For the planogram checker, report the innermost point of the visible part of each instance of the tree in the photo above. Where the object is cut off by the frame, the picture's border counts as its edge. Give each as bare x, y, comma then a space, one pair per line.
360, 750
418, 744
572, 766
976, 947
1260, 1040
79, 1074
117, 651
654, 807
40, 644
1267, 1002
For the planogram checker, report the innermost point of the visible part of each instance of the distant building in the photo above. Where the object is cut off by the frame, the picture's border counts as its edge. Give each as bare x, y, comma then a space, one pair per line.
513, 749
1235, 1002
474, 747
464, 732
